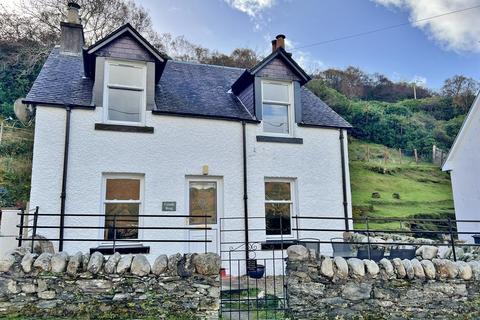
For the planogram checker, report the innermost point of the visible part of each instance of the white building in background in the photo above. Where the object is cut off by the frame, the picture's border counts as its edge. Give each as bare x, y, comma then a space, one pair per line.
463, 163
121, 130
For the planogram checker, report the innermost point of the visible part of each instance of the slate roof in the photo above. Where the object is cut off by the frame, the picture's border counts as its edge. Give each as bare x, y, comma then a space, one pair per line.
185, 88
61, 81
200, 89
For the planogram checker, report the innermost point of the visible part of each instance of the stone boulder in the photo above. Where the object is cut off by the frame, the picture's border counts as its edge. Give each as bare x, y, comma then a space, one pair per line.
27, 262
356, 268
427, 252
417, 269
475, 266
429, 269
174, 261
341, 268
399, 268
464, 270
409, 271
43, 262
386, 269
85, 259
160, 266
140, 266
326, 267
446, 269
371, 268
6, 262
59, 262
111, 264
297, 253
96, 262
74, 263
124, 264
206, 263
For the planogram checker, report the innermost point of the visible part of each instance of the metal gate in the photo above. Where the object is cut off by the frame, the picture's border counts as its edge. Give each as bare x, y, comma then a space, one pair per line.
253, 282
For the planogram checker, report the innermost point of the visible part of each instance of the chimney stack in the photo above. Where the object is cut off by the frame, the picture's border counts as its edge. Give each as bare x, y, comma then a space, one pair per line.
72, 40
280, 39
274, 45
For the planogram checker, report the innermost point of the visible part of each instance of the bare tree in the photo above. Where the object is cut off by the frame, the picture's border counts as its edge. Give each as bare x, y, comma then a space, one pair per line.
462, 89
39, 20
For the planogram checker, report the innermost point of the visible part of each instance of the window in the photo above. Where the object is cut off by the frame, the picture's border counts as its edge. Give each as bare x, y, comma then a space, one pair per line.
277, 107
124, 95
278, 207
122, 205
203, 201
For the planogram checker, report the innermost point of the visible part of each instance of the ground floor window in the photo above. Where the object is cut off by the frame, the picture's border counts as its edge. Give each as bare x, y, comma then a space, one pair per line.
203, 201
278, 206
122, 205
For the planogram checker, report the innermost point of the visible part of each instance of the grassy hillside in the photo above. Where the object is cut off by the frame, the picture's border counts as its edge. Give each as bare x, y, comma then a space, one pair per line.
423, 188
16, 145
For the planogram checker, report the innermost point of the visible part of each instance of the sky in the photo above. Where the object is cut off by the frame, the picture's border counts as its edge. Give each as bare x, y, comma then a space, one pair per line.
427, 51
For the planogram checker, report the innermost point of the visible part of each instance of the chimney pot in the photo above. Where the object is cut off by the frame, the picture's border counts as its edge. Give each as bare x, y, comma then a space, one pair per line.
274, 45
72, 12
280, 41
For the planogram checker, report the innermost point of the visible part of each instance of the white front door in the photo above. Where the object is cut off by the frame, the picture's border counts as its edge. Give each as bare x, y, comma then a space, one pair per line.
204, 198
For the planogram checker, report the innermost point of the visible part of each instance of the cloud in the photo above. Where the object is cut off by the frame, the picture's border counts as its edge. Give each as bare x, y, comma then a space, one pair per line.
458, 32
253, 8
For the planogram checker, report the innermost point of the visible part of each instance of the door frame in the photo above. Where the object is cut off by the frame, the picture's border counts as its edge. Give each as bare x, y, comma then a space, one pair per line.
215, 231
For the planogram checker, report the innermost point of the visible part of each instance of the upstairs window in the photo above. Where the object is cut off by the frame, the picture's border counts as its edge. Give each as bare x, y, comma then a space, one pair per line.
124, 94
277, 110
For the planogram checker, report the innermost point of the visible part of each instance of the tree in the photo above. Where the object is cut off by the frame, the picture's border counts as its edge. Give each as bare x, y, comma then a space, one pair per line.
462, 89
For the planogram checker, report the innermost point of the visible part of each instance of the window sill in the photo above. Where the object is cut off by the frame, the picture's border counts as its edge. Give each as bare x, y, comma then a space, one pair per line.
122, 128
279, 139
277, 244
121, 249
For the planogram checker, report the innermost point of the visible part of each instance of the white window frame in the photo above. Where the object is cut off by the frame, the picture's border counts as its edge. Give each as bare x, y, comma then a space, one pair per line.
107, 85
289, 104
141, 201
292, 202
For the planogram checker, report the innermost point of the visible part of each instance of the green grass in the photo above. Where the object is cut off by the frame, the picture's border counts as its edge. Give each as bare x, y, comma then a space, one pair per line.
423, 187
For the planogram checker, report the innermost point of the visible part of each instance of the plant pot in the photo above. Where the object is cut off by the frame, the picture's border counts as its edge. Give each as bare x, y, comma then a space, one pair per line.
257, 273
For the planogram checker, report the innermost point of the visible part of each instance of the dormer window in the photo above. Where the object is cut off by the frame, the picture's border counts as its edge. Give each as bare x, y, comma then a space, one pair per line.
277, 107
124, 93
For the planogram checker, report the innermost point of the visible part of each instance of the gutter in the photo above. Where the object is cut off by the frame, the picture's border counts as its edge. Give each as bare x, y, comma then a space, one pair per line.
245, 189
63, 194
344, 180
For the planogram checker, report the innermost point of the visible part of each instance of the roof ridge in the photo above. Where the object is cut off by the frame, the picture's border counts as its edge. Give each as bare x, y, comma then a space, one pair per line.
206, 64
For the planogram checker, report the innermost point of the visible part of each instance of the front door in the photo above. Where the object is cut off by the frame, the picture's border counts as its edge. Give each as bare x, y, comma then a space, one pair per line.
204, 198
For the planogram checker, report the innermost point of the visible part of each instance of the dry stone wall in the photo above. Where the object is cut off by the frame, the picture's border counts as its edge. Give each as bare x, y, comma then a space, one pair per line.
338, 288
94, 286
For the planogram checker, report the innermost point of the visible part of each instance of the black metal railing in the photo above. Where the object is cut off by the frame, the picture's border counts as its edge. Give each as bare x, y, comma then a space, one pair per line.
242, 256
29, 227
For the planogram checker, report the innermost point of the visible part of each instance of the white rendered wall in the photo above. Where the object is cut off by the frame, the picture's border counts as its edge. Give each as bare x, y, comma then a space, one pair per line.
9, 230
465, 177
179, 148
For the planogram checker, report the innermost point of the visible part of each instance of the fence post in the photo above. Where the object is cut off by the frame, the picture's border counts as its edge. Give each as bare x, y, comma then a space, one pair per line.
34, 230
206, 234
20, 231
452, 239
416, 155
114, 232
368, 237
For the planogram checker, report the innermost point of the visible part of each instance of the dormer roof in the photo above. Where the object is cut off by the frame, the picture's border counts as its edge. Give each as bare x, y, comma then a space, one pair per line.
135, 46
286, 58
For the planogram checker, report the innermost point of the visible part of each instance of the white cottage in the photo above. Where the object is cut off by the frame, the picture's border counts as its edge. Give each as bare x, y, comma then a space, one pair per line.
126, 135
463, 163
